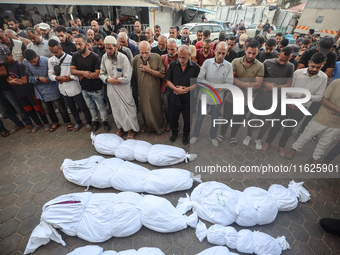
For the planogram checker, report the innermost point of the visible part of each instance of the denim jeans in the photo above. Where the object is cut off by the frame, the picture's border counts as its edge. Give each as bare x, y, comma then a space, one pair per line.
95, 101
215, 112
79, 100
8, 97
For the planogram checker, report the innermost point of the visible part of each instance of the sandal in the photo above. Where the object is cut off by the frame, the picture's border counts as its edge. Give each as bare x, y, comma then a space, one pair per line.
54, 127
70, 127
5, 132
219, 138
77, 127
142, 130
120, 132
36, 128
47, 127
131, 134
233, 141
88, 127
167, 127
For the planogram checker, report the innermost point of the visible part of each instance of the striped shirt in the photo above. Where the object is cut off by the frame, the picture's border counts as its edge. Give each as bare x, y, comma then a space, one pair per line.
46, 92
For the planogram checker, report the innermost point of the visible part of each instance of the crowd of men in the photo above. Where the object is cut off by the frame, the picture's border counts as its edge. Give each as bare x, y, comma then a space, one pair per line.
94, 73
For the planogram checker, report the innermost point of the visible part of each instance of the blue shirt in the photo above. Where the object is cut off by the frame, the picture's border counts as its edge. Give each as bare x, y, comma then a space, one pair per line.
336, 72
45, 92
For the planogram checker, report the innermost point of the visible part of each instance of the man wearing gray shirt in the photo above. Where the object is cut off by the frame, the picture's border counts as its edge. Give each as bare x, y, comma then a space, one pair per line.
38, 44
214, 71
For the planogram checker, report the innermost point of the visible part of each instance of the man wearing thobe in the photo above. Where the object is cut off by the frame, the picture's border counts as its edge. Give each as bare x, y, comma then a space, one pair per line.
148, 68
116, 72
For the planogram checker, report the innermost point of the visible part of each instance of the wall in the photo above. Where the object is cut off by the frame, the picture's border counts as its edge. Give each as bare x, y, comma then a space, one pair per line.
165, 17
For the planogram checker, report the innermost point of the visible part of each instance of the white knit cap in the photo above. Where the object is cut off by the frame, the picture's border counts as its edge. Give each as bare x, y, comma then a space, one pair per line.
110, 40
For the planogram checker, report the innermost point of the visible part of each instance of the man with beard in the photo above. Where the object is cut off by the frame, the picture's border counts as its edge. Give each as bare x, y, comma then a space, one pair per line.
15, 46
278, 74
54, 24
90, 34
199, 36
231, 54
75, 25
46, 33
205, 53
86, 65
116, 72
38, 44
180, 80
248, 73
68, 46
14, 25
157, 32
312, 79
138, 31
148, 69
99, 48
96, 29
160, 49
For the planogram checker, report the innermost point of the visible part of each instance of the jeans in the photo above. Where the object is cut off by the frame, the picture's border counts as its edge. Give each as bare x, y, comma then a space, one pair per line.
56, 104
95, 101
79, 100
228, 115
215, 112
8, 97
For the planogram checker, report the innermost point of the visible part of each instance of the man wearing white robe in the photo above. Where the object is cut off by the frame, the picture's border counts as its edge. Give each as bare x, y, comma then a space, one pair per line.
116, 71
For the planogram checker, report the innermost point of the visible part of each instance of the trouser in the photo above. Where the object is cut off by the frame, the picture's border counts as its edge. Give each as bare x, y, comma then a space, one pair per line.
166, 104
2, 127
333, 153
33, 108
79, 100
106, 98
328, 135
215, 112
175, 111
95, 103
134, 87
291, 113
9, 99
313, 109
256, 33
228, 115
56, 104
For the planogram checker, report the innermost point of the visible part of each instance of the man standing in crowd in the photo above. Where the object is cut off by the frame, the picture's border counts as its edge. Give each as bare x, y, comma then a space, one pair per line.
123, 40
240, 45
54, 24
138, 31
86, 65
38, 44
45, 31
15, 46
278, 74
68, 47
312, 79
206, 35
278, 37
248, 73
116, 72
8, 100
180, 79
231, 54
265, 29
75, 25
199, 36
90, 34
214, 71
185, 40
161, 48
173, 32
157, 32
269, 51
46, 91
167, 59
148, 68
99, 48
59, 69
11, 34
14, 25
205, 53
149, 35
96, 29
326, 122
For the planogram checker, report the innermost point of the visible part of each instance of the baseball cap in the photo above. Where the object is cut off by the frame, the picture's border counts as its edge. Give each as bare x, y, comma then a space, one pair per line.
326, 44
110, 40
299, 41
243, 39
185, 39
44, 26
4, 51
295, 49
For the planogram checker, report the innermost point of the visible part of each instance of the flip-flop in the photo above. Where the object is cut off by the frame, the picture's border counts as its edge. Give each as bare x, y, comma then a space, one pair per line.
36, 128
77, 127
54, 127
47, 127
70, 127
5, 132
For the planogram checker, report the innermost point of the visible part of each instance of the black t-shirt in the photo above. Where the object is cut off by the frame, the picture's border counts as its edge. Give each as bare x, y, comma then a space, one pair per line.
262, 56
90, 63
134, 36
98, 51
157, 51
232, 55
265, 27
69, 47
4, 85
178, 77
307, 55
17, 70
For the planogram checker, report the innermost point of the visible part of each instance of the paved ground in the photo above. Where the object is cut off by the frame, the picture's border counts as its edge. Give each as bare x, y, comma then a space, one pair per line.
30, 176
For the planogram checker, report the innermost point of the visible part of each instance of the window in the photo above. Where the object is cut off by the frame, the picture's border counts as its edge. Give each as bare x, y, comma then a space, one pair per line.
216, 29
195, 29
206, 27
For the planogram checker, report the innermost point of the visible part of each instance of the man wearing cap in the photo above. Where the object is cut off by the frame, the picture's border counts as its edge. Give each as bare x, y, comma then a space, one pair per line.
295, 54
240, 45
167, 59
38, 44
185, 40
45, 31
116, 72
14, 25
17, 47
68, 46
205, 53
8, 100
181, 80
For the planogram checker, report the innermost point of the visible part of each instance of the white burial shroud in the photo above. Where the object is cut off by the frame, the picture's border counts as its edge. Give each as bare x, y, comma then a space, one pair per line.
217, 203
98, 217
96, 250
157, 155
123, 175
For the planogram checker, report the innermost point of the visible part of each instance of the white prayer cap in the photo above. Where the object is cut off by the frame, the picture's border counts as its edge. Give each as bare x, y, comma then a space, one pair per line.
110, 40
